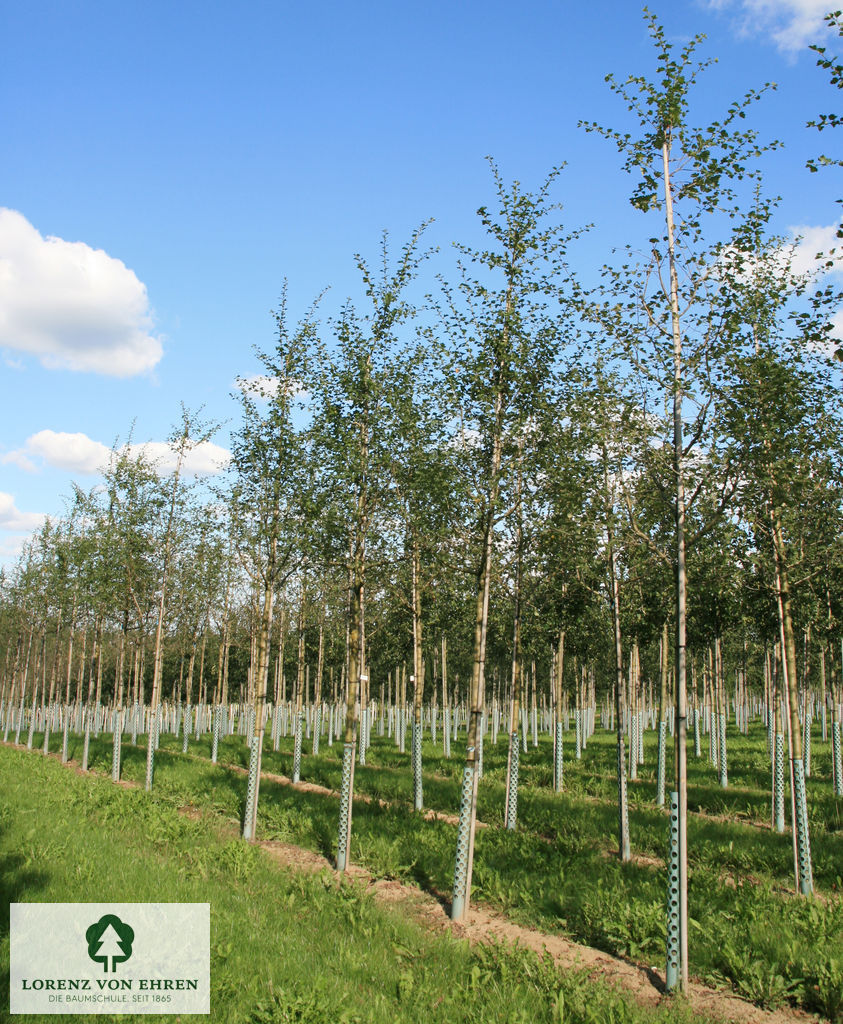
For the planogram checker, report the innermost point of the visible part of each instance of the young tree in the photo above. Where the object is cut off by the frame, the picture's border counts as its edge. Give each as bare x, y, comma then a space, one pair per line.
351, 419
688, 176
781, 410
505, 331
423, 474
272, 488
191, 432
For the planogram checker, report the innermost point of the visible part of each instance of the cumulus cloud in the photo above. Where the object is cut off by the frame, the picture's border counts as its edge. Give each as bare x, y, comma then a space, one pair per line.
791, 24
74, 307
259, 385
204, 459
10, 547
11, 518
78, 453
814, 251
814, 242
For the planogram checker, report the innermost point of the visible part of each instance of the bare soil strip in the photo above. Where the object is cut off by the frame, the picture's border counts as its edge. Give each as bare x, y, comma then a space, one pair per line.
644, 984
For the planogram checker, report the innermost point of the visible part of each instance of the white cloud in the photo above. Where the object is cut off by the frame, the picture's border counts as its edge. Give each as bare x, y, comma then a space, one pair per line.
791, 24
814, 240
11, 547
78, 453
259, 385
792, 261
11, 518
18, 458
204, 459
74, 307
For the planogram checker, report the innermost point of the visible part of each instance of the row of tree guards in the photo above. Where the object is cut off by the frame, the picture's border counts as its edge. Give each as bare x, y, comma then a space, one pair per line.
787, 713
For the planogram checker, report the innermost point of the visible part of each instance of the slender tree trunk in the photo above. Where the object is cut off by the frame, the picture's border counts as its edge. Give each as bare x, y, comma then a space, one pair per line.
317, 697
680, 734
624, 851
511, 807
300, 674
804, 874
468, 796
418, 679
558, 711
250, 821
664, 669
354, 656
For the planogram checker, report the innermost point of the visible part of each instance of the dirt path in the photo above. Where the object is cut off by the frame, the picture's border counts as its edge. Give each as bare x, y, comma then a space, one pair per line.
644, 984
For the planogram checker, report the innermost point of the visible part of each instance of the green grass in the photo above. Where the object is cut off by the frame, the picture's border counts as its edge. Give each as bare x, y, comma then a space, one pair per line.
285, 946
558, 871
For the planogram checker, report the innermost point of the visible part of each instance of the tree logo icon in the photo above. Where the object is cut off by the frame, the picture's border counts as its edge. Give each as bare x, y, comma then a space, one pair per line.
110, 939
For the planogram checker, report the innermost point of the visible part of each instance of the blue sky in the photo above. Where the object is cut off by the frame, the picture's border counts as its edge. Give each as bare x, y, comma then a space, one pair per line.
183, 159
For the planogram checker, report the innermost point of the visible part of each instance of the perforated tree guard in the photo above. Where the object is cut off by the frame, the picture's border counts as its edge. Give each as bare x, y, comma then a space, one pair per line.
806, 745
458, 906
150, 754
344, 839
48, 721
215, 734
803, 840
778, 784
623, 804
116, 748
87, 744
512, 783
297, 747
251, 790
578, 728
317, 730
724, 775
837, 756
418, 796
672, 972
558, 764
660, 768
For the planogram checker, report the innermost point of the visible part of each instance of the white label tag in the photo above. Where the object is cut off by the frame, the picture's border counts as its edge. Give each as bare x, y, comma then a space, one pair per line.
110, 958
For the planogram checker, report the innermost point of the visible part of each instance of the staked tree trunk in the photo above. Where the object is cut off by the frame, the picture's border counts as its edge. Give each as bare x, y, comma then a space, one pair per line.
300, 681
664, 668
680, 731
468, 794
418, 678
803, 869
250, 819
558, 711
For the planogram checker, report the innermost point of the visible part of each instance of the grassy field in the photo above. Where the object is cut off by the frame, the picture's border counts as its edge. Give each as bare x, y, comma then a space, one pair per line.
285, 946
558, 871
